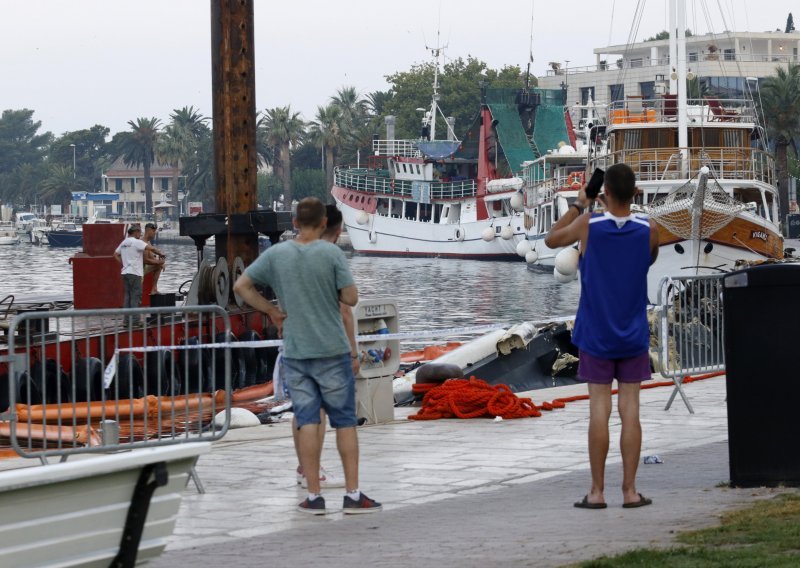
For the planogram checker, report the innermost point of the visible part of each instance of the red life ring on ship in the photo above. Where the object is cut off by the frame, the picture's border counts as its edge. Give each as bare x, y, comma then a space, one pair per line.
575, 180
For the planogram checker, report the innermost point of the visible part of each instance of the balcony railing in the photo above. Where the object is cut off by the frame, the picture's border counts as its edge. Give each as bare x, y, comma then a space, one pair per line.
636, 63
656, 164
368, 181
405, 148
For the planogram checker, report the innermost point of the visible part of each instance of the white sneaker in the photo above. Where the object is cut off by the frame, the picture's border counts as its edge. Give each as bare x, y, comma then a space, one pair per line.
326, 479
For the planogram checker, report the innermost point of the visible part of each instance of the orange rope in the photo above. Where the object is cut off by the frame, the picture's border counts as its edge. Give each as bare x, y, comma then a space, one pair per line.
473, 398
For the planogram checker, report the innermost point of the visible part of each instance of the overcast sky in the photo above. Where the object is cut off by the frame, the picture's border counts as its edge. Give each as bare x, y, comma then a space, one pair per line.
84, 62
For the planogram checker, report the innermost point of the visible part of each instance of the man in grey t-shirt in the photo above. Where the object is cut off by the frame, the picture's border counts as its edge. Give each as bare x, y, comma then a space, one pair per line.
310, 277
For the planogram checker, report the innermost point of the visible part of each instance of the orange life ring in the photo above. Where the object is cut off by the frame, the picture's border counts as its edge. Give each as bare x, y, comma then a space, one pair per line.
575, 180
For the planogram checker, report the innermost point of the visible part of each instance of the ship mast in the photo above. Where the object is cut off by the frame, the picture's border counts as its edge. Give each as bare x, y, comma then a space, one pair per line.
677, 63
436, 52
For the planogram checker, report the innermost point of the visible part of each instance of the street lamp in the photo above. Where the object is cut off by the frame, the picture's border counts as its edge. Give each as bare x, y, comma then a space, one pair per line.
73, 160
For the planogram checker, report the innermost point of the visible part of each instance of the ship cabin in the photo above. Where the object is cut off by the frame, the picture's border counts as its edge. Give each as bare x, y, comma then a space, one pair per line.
721, 134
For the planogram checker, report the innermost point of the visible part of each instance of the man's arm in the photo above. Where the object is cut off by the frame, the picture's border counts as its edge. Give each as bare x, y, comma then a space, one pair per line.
572, 226
151, 248
349, 295
246, 288
349, 329
118, 257
654, 241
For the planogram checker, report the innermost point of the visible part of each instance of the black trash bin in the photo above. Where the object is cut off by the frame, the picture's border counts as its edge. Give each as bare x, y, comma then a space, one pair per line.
762, 308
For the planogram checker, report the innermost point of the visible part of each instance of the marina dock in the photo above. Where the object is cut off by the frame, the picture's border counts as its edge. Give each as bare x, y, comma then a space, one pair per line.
463, 492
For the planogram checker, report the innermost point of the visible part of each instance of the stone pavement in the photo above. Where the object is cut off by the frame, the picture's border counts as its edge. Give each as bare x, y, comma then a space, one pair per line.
462, 492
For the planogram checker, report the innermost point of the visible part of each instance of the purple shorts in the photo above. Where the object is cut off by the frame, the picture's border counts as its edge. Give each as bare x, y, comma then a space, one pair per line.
602, 371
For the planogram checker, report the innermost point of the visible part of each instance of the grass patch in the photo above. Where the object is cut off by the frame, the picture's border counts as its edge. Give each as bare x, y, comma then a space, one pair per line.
764, 535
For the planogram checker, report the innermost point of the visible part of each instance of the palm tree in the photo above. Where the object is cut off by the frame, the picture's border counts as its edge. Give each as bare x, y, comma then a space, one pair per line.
172, 147
138, 147
376, 101
352, 105
780, 95
191, 127
59, 184
327, 132
179, 142
283, 130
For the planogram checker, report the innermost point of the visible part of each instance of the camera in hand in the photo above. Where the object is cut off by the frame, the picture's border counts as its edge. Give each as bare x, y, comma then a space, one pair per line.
595, 184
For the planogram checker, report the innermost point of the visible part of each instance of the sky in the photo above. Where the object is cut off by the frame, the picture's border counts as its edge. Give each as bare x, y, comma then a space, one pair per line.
87, 62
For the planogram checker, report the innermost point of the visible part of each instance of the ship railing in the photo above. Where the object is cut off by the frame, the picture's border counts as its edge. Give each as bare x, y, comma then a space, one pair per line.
402, 148
99, 381
363, 179
638, 110
688, 322
658, 164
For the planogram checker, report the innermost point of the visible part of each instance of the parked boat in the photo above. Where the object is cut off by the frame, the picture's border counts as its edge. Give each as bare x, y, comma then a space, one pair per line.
65, 234
8, 234
25, 224
451, 198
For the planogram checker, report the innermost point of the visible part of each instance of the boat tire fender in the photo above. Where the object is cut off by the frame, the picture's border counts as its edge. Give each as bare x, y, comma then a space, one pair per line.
438, 372
459, 234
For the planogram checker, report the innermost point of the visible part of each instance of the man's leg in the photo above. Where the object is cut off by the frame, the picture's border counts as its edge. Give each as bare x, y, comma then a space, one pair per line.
308, 450
156, 274
630, 441
320, 434
136, 291
599, 414
347, 444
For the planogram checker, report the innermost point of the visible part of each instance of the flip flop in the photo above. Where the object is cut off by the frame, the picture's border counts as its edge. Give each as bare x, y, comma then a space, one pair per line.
643, 501
586, 505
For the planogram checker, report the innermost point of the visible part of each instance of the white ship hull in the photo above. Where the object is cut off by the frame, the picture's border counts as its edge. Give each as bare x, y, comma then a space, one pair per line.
392, 236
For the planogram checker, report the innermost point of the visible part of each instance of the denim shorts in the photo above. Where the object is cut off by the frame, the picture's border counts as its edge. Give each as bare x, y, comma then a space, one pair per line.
326, 383
602, 371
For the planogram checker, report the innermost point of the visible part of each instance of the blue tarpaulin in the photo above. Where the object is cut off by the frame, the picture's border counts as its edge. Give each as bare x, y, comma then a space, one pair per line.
438, 149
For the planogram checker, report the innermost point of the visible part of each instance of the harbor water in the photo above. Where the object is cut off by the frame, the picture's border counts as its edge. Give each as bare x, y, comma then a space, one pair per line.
431, 293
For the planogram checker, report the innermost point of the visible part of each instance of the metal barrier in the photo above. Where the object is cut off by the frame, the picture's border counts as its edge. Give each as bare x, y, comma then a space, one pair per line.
94, 381
690, 329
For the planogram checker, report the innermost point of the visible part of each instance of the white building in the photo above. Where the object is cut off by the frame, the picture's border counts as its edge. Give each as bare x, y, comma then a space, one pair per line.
722, 64
128, 182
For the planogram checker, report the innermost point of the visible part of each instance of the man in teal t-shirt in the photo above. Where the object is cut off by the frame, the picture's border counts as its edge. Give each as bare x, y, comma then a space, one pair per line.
310, 277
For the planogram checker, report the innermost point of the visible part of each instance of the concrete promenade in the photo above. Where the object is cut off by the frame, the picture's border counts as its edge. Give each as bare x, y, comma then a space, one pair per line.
462, 492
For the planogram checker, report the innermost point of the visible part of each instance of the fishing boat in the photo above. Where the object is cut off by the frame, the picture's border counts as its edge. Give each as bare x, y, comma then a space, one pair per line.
430, 197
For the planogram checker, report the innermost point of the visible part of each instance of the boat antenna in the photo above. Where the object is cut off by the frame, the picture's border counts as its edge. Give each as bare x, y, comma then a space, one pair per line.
436, 52
530, 54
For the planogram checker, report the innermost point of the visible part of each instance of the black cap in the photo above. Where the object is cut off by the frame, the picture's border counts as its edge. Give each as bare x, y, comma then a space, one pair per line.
151, 226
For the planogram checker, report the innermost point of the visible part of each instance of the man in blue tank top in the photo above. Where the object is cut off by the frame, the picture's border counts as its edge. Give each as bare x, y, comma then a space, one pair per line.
611, 330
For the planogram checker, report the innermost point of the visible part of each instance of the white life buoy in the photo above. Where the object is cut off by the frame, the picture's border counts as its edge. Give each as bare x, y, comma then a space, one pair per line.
459, 236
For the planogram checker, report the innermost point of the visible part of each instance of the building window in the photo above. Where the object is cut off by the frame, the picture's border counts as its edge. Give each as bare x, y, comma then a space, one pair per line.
647, 89
636, 62
118, 185
133, 185
164, 184
729, 54
616, 92
692, 56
